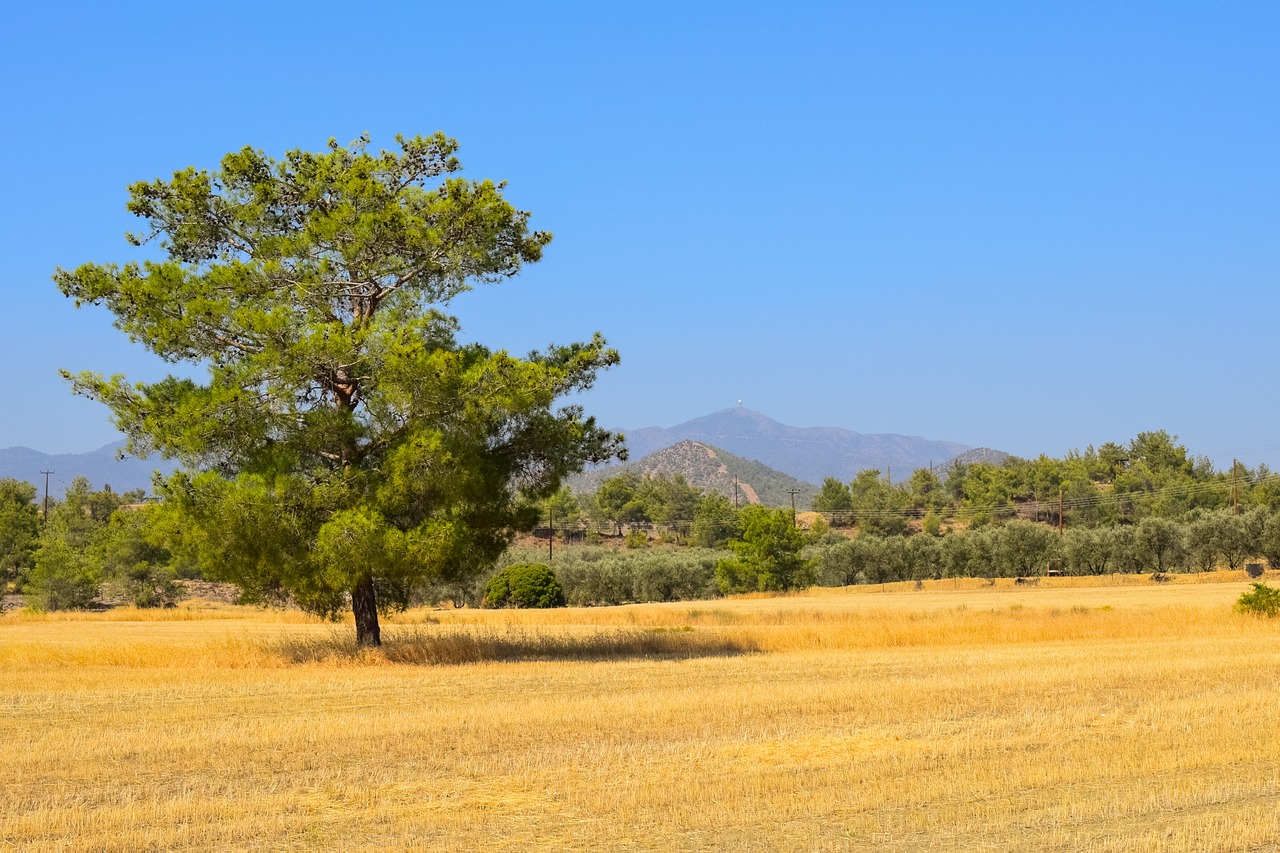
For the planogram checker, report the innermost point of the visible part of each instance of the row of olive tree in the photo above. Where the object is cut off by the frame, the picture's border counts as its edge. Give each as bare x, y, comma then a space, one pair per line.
1022, 548
764, 553
596, 575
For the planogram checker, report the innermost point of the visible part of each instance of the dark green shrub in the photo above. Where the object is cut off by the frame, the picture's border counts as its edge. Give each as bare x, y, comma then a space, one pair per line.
1261, 600
62, 578
524, 585
767, 557
133, 566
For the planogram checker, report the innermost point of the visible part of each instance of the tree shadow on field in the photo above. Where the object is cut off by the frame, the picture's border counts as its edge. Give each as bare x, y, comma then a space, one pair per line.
454, 646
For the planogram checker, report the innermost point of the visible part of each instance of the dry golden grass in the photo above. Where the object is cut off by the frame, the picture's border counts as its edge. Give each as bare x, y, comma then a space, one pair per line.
1135, 717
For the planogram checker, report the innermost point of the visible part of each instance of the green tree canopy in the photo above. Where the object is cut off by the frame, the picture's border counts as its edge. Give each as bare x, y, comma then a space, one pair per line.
65, 575
878, 507
714, 522
19, 528
351, 446
834, 496
668, 498
618, 500
767, 557
127, 555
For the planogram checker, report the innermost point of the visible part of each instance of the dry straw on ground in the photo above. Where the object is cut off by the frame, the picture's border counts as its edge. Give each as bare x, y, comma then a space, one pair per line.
1061, 717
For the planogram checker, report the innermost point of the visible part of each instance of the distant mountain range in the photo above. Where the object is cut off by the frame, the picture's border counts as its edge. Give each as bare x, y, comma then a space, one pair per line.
100, 467
806, 453
711, 469
768, 456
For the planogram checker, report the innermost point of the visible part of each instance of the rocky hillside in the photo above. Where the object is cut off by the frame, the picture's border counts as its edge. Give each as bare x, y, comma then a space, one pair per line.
806, 453
979, 454
711, 469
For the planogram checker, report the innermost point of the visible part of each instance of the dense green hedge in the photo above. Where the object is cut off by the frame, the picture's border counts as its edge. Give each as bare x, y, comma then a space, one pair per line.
591, 575
524, 585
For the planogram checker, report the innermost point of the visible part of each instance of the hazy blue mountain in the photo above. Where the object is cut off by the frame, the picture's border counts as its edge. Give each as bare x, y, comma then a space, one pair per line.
806, 453
100, 466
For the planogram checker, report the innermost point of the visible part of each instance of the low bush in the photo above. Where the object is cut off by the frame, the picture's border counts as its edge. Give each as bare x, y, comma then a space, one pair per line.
524, 585
1261, 600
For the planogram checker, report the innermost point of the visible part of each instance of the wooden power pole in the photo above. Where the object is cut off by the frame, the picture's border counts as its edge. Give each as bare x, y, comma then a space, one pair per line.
46, 495
1235, 495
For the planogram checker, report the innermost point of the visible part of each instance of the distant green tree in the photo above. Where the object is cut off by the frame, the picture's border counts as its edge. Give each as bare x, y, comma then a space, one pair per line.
1111, 460
64, 576
926, 491
62, 579
886, 557
715, 521
931, 524
969, 554
819, 532
618, 500
848, 561
1263, 490
1159, 541
984, 491
1024, 548
668, 498
1161, 453
564, 507
129, 557
1084, 503
1127, 553
1088, 550
922, 557
1269, 543
834, 496
1200, 537
878, 507
1241, 537
768, 556
19, 529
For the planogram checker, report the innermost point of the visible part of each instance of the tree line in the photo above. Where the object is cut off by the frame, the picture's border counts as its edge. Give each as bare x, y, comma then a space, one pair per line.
102, 544
1114, 484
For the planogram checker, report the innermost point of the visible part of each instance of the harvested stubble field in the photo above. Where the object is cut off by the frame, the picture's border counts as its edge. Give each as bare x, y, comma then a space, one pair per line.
1122, 716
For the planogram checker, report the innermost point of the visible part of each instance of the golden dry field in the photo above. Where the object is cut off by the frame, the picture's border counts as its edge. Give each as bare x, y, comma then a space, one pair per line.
1119, 716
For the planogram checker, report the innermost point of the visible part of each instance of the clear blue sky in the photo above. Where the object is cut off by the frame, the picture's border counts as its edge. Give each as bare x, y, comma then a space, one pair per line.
1029, 226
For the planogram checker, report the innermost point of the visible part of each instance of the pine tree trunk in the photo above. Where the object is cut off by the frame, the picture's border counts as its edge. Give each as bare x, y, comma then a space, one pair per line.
364, 604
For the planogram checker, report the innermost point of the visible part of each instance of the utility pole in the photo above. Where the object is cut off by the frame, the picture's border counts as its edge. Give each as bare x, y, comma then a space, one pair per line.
46, 495
551, 532
793, 493
1235, 497
1059, 510
735, 492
